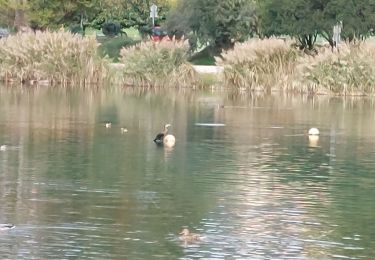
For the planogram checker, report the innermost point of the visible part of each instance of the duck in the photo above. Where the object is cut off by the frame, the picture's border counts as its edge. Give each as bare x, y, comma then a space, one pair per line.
108, 125
188, 237
4, 227
124, 130
3, 147
165, 138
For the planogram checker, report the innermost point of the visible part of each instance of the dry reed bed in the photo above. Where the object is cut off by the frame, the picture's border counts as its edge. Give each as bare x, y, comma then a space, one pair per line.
259, 64
158, 64
348, 72
273, 64
52, 57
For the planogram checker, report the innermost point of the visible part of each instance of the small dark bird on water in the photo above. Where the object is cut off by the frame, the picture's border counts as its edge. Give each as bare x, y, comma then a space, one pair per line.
159, 139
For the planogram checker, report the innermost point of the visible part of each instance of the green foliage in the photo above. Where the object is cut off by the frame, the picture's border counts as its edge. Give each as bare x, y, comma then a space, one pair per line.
158, 64
131, 13
54, 13
56, 57
220, 23
204, 57
305, 19
111, 46
111, 29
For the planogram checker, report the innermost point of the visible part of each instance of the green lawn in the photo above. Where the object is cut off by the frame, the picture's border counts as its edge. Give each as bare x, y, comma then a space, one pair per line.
111, 46
203, 57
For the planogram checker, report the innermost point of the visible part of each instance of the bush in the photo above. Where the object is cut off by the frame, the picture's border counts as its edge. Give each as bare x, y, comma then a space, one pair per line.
259, 64
350, 72
58, 57
158, 64
111, 29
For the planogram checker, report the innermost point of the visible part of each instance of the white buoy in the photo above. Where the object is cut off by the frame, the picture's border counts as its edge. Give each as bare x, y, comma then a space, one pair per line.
313, 131
108, 125
169, 140
313, 140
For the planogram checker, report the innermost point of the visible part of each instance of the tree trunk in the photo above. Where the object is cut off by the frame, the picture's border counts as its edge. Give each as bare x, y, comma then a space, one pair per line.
20, 21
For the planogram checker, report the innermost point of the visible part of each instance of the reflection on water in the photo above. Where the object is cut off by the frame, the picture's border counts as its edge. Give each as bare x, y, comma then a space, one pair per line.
243, 175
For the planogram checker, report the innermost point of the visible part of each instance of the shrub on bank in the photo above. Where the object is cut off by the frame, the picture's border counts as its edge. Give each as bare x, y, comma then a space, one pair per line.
259, 64
158, 64
348, 72
56, 57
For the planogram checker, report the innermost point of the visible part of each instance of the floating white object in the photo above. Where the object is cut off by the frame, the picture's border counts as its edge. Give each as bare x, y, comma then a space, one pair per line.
4, 227
209, 124
108, 125
124, 130
313, 140
3, 147
169, 140
314, 131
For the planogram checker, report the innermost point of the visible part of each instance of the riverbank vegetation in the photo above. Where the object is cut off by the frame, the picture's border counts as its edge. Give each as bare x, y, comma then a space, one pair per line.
273, 64
158, 64
259, 64
53, 57
218, 33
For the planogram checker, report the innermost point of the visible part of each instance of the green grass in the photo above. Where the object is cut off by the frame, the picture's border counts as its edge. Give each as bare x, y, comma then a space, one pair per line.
111, 46
204, 57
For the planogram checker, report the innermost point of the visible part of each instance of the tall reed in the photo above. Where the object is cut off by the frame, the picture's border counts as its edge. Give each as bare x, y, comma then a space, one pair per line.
158, 64
259, 64
56, 57
348, 72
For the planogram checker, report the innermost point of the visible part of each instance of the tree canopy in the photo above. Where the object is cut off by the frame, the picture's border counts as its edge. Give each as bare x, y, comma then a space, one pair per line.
305, 19
219, 23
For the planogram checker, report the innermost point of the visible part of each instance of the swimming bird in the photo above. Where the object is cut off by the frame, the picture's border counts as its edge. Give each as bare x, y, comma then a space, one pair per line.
108, 125
313, 131
3, 147
189, 237
124, 130
4, 227
159, 139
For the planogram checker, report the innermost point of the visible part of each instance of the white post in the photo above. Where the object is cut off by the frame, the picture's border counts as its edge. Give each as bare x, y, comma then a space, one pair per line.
153, 13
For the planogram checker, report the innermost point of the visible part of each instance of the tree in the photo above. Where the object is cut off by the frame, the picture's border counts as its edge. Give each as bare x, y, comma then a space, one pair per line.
220, 23
297, 18
131, 13
55, 13
13, 13
305, 19
357, 16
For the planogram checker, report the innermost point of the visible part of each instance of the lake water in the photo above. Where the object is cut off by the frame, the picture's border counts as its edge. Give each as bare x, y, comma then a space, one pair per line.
253, 186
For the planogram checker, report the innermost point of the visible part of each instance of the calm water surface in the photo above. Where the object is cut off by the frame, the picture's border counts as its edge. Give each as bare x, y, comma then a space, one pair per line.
254, 188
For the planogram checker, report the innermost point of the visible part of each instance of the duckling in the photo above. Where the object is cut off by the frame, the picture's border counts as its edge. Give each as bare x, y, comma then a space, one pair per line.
4, 227
108, 125
188, 237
